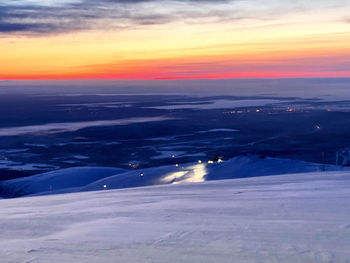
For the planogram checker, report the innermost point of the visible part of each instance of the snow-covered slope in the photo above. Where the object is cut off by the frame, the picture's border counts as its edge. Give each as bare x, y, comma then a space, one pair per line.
288, 218
252, 166
90, 179
239, 167
64, 179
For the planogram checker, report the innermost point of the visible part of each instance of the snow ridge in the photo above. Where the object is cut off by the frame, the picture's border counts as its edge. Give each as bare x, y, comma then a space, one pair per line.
81, 179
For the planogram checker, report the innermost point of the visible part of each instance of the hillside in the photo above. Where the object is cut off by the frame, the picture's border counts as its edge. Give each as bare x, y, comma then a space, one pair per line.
287, 218
104, 178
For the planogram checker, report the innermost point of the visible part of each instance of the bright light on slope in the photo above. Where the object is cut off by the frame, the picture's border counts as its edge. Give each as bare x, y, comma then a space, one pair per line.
192, 174
173, 176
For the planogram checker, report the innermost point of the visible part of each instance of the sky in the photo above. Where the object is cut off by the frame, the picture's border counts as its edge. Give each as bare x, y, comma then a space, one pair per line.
174, 39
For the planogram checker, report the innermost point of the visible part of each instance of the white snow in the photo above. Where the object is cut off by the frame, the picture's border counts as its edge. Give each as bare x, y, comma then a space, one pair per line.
65, 179
218, 130
288, 218
168, 154
40, 145
101, 104
220, 104
11, 151
243, 166
90, 179
50, 128
12, 165
81, 157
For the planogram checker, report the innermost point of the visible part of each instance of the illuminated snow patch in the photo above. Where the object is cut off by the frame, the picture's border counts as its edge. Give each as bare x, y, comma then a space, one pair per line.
192, 174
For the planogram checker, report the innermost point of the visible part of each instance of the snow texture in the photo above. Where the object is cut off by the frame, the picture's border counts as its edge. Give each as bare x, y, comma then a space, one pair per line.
91, 179
288, 218
56, 181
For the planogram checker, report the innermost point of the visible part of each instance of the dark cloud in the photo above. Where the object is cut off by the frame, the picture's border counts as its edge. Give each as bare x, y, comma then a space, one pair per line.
88, 14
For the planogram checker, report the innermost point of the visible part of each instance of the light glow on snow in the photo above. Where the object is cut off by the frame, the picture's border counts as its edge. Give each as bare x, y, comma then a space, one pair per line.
193, 174
173, 176
289, 218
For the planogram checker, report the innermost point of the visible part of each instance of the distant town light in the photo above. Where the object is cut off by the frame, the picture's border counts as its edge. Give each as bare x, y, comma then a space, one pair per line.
134, 165
141, 174
199, 161
257, 110
210, 162
104, 186
177, 165
220, 160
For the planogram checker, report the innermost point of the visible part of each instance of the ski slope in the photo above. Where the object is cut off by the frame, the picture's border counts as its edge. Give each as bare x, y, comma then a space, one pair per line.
65, 180
285, 218
101, 178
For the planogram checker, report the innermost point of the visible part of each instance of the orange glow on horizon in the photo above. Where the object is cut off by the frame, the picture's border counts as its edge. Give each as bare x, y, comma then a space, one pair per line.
299, 45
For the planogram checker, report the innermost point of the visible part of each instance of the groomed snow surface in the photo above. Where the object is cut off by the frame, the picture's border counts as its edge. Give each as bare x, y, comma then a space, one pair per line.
80, 179
285, 218
302, 217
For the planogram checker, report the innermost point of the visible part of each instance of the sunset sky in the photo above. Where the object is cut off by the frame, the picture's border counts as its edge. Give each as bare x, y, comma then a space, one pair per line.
182, 39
